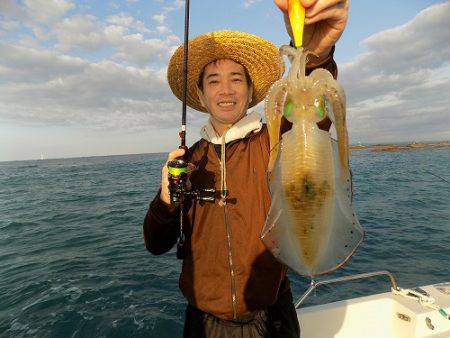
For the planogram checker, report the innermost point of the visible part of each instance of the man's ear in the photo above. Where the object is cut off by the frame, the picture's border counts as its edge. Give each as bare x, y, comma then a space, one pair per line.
250, 94
201, 97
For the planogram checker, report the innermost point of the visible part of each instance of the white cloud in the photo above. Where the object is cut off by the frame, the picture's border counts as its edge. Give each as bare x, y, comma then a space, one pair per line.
249, 3
163, 29
40, 86
10, 25
25, 64
124, 35
79, 31
159, 18
176, 4
141, 28
45, 87
40, 33
11, 8
46, 11
135, 49
396, 89
119, 84
121, 19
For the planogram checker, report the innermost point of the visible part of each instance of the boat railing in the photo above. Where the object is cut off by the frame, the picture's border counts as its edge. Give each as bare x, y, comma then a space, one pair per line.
316, 284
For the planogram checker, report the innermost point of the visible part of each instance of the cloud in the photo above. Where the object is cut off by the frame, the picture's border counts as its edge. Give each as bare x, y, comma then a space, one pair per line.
159, 18
46, 11
141, 28
163, 29
45, 87
121, 19
10, 25
176, 4
63, 68
249, 3
79, 32
121, 33
135, 49
30, 65
395, 90
11, 8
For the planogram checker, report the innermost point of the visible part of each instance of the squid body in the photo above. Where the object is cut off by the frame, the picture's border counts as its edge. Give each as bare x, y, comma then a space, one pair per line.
311, 226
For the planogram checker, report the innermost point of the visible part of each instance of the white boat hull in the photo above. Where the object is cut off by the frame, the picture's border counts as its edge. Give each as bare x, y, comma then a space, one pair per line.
383, 315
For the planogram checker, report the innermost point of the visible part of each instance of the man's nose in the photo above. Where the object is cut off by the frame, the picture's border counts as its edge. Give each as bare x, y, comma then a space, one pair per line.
226, 88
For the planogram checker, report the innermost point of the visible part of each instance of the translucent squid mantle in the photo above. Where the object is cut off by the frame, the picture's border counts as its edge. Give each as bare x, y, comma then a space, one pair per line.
311, 226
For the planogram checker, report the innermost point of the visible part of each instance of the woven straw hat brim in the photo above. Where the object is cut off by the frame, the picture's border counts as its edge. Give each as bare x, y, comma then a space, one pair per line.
259, 56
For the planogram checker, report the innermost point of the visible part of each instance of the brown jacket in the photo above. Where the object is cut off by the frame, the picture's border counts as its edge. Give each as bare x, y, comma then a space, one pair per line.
228, 272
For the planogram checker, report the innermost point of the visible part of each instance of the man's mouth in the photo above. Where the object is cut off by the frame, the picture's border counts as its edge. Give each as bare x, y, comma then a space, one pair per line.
226, 104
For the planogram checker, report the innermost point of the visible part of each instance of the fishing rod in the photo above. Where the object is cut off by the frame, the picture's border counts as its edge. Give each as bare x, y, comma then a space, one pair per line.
178, 168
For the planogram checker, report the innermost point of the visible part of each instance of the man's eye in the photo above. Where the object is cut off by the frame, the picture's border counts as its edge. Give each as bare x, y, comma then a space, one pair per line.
237, 80
213, 81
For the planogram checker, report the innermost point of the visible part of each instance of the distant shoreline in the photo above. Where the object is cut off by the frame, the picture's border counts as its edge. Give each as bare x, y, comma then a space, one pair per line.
395, 147
372, 147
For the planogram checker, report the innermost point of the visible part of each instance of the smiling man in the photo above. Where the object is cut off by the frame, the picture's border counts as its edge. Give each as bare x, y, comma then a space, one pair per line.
233, 284
225, 91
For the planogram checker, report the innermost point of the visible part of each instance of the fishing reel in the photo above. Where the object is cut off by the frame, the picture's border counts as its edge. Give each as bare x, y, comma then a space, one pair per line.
177, 169
178, 191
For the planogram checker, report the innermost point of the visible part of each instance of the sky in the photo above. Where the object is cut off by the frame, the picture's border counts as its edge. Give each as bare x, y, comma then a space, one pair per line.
88, 78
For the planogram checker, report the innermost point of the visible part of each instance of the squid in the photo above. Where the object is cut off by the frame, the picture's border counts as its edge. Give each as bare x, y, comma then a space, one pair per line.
311, 226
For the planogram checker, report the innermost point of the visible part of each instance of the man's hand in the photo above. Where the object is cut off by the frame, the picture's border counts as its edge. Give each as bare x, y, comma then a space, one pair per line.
165, 195
325, 21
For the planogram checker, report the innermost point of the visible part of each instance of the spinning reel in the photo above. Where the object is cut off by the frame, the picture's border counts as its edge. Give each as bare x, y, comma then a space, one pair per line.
179, 191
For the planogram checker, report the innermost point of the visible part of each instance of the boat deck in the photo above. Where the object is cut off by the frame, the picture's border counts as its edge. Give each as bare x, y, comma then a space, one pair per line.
384, 315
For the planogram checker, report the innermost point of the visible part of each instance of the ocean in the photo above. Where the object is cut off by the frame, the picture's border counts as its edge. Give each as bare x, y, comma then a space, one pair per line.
73, 261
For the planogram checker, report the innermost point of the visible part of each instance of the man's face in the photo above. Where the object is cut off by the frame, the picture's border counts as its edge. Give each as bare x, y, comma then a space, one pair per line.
226, 93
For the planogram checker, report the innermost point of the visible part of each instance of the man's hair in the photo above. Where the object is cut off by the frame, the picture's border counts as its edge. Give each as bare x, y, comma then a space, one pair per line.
202, 73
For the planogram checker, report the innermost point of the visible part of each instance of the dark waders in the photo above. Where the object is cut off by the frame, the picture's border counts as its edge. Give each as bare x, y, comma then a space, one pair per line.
278, 321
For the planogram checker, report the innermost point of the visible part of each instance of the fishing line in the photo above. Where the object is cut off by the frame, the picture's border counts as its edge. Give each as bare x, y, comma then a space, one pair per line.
429, 172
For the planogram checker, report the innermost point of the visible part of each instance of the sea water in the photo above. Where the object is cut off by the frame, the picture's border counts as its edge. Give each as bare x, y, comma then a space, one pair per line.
73, 261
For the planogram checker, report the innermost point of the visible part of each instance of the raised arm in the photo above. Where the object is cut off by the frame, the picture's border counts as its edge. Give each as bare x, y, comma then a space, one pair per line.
161, 223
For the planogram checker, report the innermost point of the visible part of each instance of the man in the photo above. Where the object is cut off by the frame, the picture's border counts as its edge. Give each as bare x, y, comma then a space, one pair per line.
233, 284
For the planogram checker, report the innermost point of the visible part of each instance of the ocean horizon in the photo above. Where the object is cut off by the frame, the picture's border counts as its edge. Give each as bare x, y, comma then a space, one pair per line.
396, 143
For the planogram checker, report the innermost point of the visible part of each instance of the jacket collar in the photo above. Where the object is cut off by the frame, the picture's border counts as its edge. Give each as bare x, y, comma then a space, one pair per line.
248, 124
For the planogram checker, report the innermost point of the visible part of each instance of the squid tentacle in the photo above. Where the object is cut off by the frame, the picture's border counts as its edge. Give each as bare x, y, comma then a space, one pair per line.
274, 112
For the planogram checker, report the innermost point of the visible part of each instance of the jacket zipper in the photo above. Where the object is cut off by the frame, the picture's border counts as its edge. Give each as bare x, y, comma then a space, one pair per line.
230, 260
230, 256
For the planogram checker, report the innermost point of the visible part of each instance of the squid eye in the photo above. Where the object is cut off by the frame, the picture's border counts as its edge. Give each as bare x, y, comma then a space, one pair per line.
288, 107
320, 104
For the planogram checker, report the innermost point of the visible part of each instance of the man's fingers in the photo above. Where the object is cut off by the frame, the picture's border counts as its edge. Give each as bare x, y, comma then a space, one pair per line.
174, 154
308, 3
335, 13
282, 4
320, 6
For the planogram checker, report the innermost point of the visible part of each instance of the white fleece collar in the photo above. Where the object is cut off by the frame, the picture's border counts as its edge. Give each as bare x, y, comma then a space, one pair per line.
249, 123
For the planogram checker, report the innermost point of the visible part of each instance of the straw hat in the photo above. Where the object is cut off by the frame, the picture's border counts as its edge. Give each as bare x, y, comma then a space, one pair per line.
260, 57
